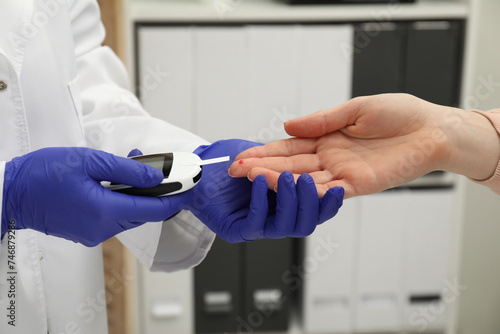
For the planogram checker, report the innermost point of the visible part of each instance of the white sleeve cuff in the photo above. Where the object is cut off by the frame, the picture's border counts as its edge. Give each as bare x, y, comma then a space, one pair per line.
184, 242
178, 243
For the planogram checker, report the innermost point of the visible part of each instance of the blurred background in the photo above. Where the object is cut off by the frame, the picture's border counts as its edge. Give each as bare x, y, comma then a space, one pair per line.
423, 258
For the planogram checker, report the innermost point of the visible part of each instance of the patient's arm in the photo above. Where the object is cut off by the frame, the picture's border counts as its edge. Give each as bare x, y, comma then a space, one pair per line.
373, 143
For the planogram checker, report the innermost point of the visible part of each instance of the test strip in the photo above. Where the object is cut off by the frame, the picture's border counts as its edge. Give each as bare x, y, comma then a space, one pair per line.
214, 160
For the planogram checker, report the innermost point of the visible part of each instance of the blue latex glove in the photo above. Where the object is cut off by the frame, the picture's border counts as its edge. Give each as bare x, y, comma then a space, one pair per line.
238, 210
57, 191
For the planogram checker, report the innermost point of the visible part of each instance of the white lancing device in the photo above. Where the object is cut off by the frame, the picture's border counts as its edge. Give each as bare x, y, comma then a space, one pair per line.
181, 172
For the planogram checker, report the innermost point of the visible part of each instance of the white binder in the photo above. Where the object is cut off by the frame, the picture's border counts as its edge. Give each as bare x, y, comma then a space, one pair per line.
329, 273
166, 303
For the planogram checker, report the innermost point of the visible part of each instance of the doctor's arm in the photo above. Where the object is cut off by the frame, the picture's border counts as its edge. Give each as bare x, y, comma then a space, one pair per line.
373, 143
114, 121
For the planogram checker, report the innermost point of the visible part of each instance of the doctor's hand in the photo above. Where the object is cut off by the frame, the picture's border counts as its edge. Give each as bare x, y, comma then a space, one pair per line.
237, 210
57, 191
373, 143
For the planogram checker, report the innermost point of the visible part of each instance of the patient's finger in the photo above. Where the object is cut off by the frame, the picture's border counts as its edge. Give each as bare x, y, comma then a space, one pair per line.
323, 176
270, 175
348, 188
273, 176
324, 121
280, 148
297, 164
272, 181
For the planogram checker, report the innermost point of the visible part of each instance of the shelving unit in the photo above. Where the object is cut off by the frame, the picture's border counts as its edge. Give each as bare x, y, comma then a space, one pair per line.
266, 10
478, 212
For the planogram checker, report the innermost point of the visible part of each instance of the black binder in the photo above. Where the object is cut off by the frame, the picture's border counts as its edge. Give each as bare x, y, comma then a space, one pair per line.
267, 292
217, 289
421, 58
434, 61
377, 59
244, 288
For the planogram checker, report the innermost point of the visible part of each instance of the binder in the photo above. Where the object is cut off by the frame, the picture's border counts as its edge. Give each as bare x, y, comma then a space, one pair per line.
167, 301
273, 80
217, 288
326, 67
434, 61
422, 58
427, 264
164, 73
378, 59
382, 241
267, 292
241, 288
329, 273
220, 84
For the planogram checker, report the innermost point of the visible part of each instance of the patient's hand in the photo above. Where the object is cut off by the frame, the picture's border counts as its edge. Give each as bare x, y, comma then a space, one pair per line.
373, 143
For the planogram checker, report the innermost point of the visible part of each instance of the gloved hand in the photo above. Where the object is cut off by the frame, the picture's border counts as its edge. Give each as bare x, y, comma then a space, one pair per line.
57, 191
238, 210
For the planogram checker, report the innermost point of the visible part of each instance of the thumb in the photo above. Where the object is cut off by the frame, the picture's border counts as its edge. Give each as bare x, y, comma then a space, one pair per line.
324, 121
102, 166
147, 209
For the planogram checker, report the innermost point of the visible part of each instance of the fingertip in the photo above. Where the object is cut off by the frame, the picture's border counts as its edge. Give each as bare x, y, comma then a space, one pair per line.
152, 176
235, 171
285, 181
135, 152
286, 186
146, 176
334, 193
288, 123
305, 183
286, 176
308, 206
339, 193
258, 204
239, 169
260, 183
305, 178
328, 209
254, 172
290, 127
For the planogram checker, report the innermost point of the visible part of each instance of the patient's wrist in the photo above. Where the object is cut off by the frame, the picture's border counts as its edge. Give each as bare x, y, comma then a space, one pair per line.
473, 144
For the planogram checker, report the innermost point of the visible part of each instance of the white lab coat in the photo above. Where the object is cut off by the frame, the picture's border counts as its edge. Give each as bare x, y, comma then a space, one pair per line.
64, 89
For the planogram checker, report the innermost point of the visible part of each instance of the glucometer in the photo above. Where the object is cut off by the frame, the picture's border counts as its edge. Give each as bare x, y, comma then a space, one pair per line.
181, 172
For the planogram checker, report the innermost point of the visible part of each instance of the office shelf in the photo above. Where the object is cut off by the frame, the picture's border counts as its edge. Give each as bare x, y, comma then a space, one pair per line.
277, 11
475, 231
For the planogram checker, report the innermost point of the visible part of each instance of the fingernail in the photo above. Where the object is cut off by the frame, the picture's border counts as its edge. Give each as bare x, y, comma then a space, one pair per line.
275, 188
248, 177
229, 172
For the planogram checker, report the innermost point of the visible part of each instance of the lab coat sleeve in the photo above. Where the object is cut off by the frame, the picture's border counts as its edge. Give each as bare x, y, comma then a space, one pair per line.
494, 181
114, 121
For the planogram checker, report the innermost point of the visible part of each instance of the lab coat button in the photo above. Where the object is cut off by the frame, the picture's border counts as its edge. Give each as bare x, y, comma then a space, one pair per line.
3, 86
41, 254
